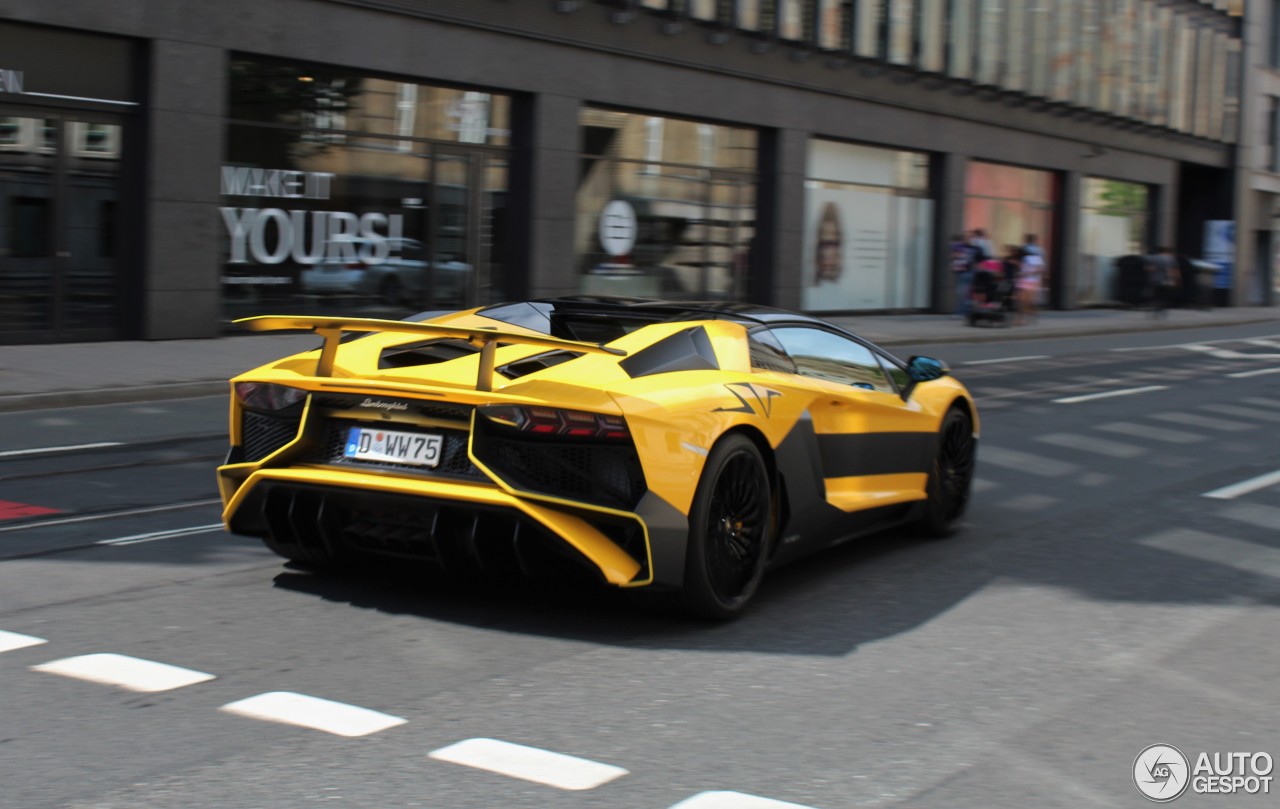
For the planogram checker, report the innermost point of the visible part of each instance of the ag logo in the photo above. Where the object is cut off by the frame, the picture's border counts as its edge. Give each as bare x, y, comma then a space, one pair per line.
1161, 773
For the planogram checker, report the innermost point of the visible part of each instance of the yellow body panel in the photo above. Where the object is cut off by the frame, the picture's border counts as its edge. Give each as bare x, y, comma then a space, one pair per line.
871, 491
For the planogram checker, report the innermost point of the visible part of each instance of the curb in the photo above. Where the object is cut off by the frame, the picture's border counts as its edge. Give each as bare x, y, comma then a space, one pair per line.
1016, 333
97, 396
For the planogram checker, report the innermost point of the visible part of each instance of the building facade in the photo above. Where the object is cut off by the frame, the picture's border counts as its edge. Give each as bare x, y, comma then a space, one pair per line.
168, 167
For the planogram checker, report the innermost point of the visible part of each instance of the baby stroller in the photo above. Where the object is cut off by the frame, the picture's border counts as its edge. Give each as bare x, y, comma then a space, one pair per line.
990, 295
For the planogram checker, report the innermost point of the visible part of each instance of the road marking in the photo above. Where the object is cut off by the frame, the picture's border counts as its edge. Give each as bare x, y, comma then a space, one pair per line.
733, 800
1245, 486
112, 515
132, 673
1008, 359
12, 640
172, 533
1252, 514
1025, 462
1260, 372
1234, 553
10, 510
1147, 431
1112, 449
315, 713
1028, 502
1242, 412
73, 447
529, 763
1264, 402
1088, 397
1193, 420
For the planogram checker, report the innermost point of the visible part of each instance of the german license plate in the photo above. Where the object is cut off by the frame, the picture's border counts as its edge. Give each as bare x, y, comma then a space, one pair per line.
391, 446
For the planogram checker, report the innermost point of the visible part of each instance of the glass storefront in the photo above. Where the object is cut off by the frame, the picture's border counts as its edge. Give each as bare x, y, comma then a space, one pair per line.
1114, 219
1010, 204
379, 196
666, 207
868, 219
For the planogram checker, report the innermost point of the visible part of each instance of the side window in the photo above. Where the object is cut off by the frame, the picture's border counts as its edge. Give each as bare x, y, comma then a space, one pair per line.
830, 356
896, 372
767, 353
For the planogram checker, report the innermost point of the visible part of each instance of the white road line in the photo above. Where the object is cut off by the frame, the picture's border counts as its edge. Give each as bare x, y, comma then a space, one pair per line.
1245, 486
132, 673
1263, 401
1193, 420
112, 515
733, 800
1025, 462
39, 450
1008, 359
1147, 431
1088, 397
172, 533
1028, 502
1112, 449
1247, 374
12, 640
315, 713
529, 763
1252, 514
1234, 553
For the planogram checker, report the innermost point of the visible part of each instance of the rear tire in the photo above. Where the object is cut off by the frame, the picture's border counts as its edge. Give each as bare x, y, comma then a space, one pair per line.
951, 477
730, 529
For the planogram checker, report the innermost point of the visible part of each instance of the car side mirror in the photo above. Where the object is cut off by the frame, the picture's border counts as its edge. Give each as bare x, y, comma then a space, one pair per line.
923, 369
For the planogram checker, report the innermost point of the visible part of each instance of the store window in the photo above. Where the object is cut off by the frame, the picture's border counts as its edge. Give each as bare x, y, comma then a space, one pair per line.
1010, 204
868, 218
373, 195
1114, 219
666, 207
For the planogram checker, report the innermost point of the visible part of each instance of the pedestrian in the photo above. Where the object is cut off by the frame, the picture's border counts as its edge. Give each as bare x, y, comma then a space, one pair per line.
1162, 280
1011, 270
1030, 281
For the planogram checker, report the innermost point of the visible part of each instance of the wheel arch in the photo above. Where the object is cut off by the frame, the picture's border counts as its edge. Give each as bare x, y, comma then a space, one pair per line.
777, 488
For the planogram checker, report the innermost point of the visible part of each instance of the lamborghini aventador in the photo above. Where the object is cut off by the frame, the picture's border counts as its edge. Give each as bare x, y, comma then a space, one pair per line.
674, 449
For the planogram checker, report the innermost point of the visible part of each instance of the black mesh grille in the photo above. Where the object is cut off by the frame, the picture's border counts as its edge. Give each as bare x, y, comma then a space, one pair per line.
453, 457
263, 434
606, 474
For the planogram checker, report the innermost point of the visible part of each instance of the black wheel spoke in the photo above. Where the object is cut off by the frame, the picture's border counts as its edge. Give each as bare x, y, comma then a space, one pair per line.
735, 525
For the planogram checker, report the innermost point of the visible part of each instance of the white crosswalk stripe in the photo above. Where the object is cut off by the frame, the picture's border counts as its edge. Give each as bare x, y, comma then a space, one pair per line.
529, 763
1137, 430
1243, 412
1025, 462
1028, 502
733, 800
1084, 443
13, 640
1261, 401
131, 673
1253, 514
1234, 553
315, 713
1207, 422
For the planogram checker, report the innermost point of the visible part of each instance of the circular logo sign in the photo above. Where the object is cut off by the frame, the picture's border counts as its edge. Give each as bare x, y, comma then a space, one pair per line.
1161, 773
618, 228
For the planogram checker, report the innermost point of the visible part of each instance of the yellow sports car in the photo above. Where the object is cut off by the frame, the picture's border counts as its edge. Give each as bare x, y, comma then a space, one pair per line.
672, 448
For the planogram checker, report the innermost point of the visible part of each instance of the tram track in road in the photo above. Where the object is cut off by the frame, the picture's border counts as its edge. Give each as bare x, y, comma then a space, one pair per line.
111, 456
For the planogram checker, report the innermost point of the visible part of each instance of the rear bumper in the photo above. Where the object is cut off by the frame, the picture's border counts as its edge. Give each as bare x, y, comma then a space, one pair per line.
452, 524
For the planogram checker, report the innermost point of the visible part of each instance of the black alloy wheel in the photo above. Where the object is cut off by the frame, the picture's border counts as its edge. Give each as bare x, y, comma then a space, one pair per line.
951, 478
730, 528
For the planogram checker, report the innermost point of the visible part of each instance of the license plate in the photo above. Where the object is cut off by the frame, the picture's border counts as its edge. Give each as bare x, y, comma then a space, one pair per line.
390, 446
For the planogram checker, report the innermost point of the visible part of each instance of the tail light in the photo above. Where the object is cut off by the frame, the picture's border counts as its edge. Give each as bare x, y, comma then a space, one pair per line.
357, 265
268, 396
552, 421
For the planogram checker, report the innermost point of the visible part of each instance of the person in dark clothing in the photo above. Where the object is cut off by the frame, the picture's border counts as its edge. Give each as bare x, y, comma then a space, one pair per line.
1163, 280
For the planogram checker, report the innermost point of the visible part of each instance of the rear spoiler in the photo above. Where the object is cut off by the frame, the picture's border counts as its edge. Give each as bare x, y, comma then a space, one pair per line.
487, 340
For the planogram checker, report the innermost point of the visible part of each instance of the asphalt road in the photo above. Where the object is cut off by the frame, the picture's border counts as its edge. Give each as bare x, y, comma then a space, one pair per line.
1115, 586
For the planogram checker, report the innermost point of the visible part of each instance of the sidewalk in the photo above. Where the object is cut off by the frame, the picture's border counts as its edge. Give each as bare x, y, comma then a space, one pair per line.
61, 375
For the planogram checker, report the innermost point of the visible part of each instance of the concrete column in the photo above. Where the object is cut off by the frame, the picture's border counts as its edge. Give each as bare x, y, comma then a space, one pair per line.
552, 195
1064, 265
184, 131
948, 173
780, 218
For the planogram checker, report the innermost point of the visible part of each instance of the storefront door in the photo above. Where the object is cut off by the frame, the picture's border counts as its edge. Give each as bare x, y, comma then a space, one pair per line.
59, 225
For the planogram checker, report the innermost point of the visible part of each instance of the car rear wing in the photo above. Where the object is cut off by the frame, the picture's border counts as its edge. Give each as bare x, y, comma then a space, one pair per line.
487, 340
